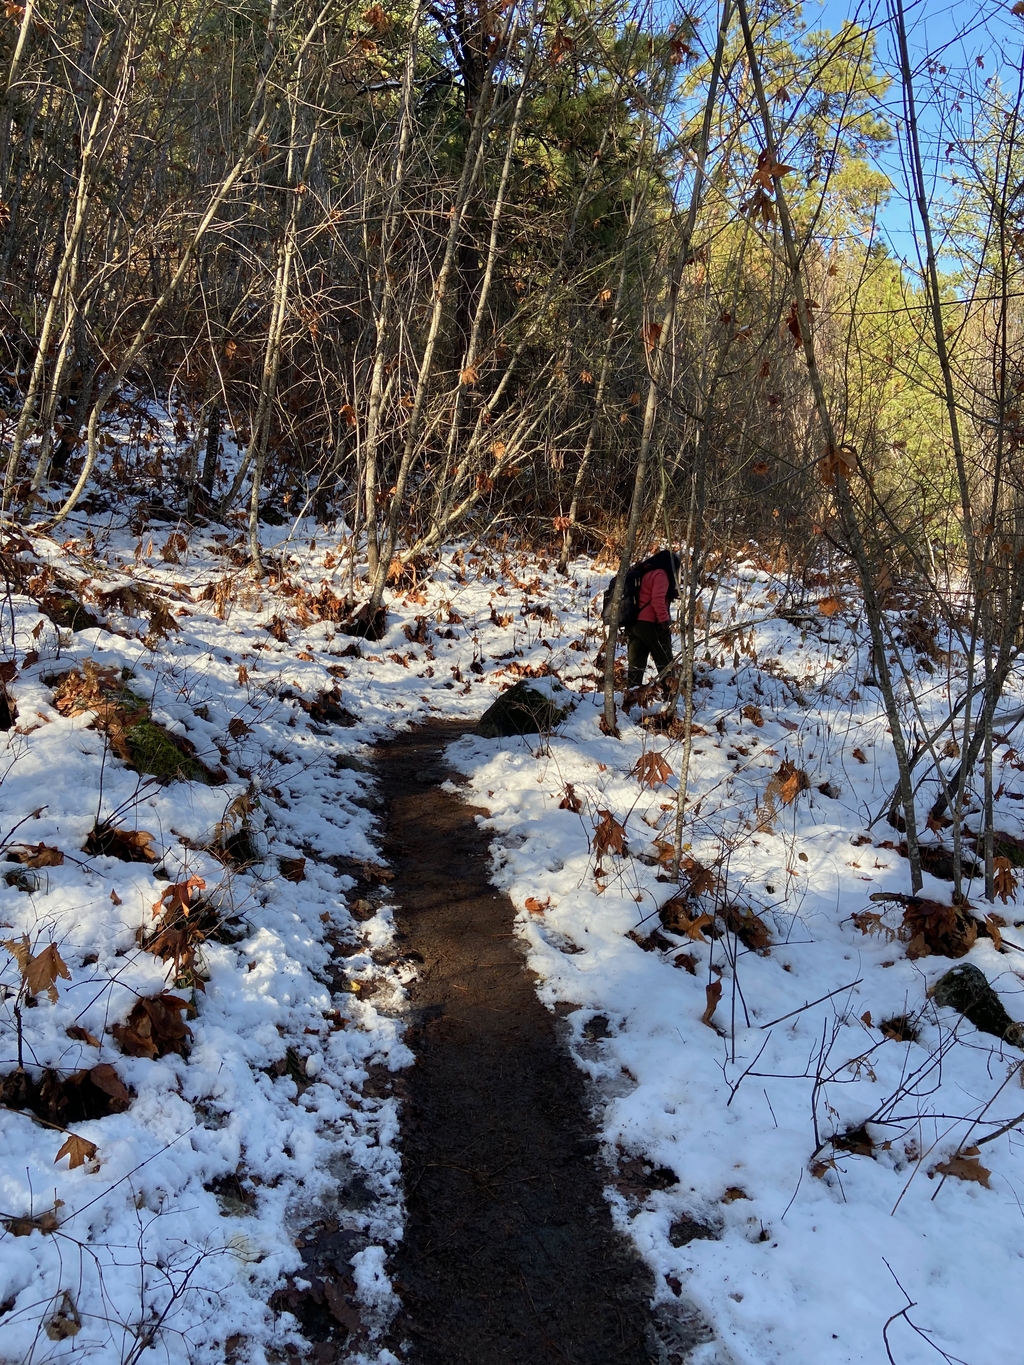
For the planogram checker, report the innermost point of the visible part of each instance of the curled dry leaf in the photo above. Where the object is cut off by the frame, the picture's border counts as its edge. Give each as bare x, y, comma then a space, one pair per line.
153, 1028
537, 907
82, 1035
995, 924
178, 898
570, 801
129, 845
36, 855
700, 878
65, 1321
837, 462
1006, 881
45, 1222
713, 993
769, 169
828, 606
753, 714
292, 869
871, 922
787, 783
77, 1149
609, 835
676, 918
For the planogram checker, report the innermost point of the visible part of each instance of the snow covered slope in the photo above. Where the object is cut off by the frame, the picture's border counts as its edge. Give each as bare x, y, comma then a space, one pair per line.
780, 1166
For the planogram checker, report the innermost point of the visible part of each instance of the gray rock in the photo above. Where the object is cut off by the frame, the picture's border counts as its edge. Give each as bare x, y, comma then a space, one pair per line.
529, 708
966, 988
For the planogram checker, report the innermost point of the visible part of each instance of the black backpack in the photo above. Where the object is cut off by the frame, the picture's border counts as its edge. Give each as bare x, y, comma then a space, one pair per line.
630, 608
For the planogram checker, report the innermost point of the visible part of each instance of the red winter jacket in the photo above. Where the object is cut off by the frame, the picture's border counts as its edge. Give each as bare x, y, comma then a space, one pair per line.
654, 597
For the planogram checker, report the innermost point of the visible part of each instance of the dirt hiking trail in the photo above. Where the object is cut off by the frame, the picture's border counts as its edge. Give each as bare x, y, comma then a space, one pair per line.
509, 1256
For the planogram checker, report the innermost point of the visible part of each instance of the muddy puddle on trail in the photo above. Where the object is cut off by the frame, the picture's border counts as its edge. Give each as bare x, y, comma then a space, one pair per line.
509, 1255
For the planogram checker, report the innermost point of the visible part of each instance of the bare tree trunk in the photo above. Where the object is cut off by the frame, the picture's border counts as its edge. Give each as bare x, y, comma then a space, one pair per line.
475, 150
658, 350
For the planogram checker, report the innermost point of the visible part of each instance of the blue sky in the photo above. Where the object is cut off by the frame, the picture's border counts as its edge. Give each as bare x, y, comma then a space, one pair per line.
955, 36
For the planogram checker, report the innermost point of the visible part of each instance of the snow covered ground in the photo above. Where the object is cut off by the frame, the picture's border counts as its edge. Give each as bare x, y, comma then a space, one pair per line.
778, 1166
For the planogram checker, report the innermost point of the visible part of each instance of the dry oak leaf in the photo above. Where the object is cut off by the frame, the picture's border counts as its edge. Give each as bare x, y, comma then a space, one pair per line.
82, 1035
37, 855
828, 606
789, 725
675, 918
652, 770
570, 801
695, 929
964, 1167
713, 993
609, 835
769, 170
41, 970
292, 869
753, 714
652, 331
537, 907
105, 1078
78, 1151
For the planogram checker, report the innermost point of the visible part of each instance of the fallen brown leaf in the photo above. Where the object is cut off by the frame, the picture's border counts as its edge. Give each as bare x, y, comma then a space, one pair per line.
965, 1168
713, 993
36, 855
77, 1149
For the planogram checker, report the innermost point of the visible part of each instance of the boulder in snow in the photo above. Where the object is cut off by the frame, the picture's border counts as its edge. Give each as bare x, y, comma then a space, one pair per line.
531, 707
966, 988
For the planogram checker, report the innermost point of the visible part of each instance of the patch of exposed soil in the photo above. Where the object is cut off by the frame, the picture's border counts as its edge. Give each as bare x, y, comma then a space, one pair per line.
509, 1256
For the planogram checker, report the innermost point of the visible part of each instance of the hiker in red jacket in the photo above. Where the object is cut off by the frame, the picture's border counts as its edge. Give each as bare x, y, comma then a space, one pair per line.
650, 634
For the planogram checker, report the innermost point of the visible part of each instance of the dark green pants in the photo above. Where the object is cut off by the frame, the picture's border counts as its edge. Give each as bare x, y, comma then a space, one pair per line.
647, 639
